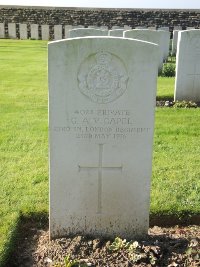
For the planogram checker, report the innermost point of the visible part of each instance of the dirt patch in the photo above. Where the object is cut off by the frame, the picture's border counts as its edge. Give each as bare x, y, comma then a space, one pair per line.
171, 246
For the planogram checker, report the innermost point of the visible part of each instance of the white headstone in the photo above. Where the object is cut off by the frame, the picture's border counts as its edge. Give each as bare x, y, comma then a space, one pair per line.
102, 94
140, 27
152, 28
57, 32
45, 32
126, 27
163, 28
177, 28
23, 33
116, 27
12, 30
187, 85
117, 33
174, 42
34, 31
190, 28
77, 26
165, 42
2, 30
93, 27
67, 29
87, 32
103, 27
149, 36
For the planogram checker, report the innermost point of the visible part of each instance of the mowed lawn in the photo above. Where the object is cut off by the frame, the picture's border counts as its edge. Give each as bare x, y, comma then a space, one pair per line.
24, 144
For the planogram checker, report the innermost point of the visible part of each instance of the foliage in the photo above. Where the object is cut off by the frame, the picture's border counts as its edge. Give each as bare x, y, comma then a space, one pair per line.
168, 70
134, 251
184, 104
69, 263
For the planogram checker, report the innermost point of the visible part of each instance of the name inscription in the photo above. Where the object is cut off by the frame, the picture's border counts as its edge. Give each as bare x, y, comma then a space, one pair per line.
101, 125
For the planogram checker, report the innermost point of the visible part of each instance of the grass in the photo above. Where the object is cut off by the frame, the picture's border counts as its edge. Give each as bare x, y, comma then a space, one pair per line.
24, 144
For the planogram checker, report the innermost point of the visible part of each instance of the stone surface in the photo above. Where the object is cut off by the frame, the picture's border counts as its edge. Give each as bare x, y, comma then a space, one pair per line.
67, 29
12, 30
177, 28
23, 34
2, 30
87, 32
116, 33
116, 27
165, 28
57, 32
101, 134
45, 32
187, 85
174, 41
149, 36
165, 42
34, 31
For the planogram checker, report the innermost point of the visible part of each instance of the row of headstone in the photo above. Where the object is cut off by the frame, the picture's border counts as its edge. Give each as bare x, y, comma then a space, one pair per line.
58, 30
101, 136
187, 83
160, 37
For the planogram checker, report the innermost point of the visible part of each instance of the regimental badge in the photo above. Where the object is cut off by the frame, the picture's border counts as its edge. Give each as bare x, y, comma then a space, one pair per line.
102, 77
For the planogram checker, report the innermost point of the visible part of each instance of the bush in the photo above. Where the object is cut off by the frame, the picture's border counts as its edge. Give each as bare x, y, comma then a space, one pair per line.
168, 70
185, 104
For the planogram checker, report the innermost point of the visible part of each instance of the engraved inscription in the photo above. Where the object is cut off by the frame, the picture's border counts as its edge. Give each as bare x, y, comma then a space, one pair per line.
100, 168
102, 77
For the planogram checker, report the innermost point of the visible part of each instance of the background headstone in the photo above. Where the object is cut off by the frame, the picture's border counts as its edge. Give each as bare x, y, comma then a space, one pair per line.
117, 33
165, 43
45, 32
101, 135
165, 28
67, 29
2, 30
23, 33
174, 42
126, 27
103, 27
149, 36
116, 27
187, 84
177, 28
12, 31
87, 32
34, 31
140, 27
57, 32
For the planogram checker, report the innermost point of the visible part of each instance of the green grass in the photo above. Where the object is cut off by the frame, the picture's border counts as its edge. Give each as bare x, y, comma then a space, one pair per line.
24, 144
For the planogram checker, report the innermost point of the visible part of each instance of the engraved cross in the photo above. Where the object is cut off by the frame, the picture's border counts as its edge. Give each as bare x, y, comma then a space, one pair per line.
100, 169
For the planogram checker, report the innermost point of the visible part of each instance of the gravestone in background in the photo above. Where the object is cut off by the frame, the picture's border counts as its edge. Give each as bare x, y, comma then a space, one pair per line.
87, 32
174, 41
116, 33
116, 27
67, 29
45, 32
34, 31
148, 36
187, 84
126, 27
177, 28
23, 34
12, 31
165, 28
103, 27
165, 42
2, 30
57, 32
102, 94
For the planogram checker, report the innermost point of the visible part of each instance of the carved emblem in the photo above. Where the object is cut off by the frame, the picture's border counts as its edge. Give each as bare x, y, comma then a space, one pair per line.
102, 77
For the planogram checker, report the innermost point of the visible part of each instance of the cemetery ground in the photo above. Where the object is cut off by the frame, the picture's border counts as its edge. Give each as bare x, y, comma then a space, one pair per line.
175, 193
